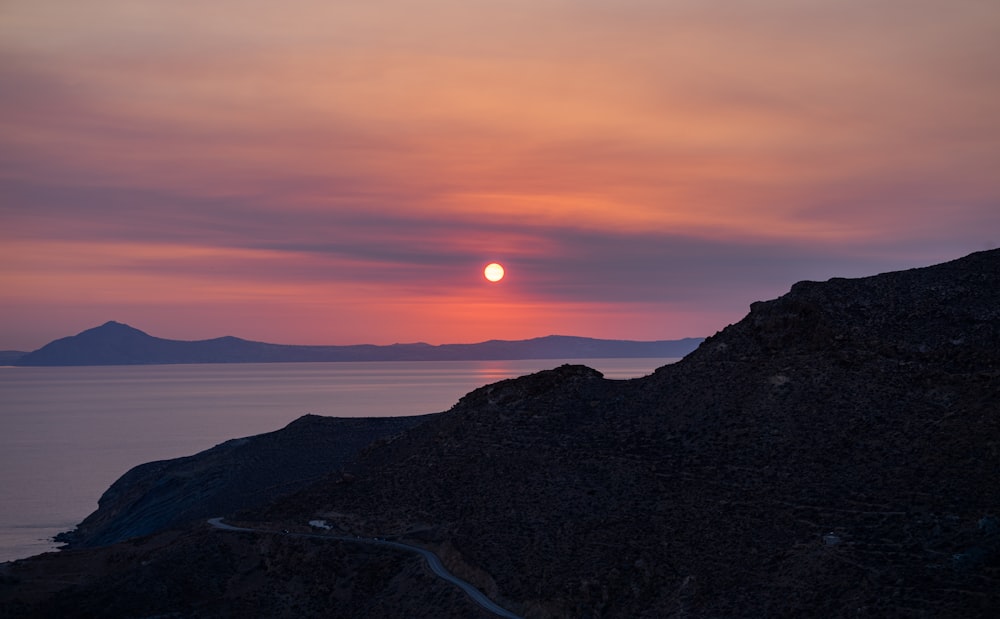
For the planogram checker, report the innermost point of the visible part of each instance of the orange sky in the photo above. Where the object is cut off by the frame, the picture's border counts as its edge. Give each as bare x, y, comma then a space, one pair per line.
336, 173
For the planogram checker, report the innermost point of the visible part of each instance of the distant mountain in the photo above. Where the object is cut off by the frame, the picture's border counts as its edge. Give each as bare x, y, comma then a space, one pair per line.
8, 357
114, 343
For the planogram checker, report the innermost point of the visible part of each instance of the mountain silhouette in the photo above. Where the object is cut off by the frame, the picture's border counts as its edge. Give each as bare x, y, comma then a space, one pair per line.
114, 343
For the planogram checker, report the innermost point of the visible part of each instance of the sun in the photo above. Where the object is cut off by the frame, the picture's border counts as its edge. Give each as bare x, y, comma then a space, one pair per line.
493, 272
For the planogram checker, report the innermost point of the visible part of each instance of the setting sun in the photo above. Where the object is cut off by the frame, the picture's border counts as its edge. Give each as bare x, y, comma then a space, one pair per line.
493, 272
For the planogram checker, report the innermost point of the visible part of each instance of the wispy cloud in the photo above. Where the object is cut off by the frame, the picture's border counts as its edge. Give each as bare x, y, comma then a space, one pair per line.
339, 162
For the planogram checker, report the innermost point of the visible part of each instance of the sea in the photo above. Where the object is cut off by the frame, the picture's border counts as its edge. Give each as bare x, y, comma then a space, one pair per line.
67, 433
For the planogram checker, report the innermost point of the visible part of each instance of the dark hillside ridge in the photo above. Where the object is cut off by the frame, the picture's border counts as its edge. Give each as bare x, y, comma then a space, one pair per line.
114, 343
237, 474
833, 454
918, 314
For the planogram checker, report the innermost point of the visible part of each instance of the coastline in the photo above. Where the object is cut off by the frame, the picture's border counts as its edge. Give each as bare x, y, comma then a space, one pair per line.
162, 412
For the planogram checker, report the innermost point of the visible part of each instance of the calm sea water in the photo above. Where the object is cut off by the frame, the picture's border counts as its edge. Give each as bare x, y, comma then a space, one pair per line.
67, 433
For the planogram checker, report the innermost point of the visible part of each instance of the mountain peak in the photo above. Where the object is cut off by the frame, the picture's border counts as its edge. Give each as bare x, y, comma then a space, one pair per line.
113, 325
110, 331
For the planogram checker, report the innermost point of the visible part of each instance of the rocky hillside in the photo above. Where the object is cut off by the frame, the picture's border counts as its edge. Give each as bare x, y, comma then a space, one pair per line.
834, 454
863, 408
238, 474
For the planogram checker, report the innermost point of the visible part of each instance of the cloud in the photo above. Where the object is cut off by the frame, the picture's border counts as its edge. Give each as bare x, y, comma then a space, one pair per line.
645, 156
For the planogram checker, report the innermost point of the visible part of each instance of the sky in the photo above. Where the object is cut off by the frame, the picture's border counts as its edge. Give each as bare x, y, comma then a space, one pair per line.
316, 172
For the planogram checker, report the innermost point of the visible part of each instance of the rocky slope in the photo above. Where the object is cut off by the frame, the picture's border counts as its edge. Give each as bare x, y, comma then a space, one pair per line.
205, 573
835, 454
238, 474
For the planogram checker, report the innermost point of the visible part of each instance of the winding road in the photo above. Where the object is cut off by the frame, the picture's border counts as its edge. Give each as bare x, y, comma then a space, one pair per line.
433, 561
